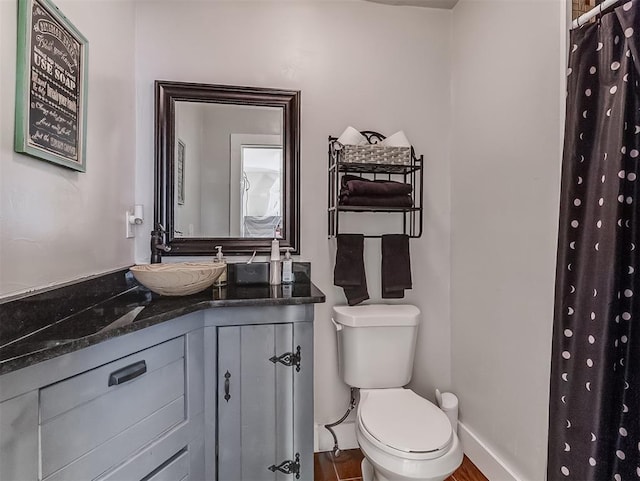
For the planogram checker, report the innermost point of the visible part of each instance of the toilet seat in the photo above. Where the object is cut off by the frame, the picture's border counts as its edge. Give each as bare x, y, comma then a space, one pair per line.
402, 423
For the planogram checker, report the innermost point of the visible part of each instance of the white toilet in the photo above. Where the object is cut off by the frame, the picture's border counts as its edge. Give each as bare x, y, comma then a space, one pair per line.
402, 435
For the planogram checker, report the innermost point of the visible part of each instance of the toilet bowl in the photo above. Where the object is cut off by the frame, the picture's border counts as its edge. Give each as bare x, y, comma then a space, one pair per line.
405, 437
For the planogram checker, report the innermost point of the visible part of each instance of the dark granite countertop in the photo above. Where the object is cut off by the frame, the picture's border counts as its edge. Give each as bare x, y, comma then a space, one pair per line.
48, 324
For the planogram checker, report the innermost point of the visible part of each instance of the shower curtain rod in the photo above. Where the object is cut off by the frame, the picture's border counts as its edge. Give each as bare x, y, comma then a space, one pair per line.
584, 18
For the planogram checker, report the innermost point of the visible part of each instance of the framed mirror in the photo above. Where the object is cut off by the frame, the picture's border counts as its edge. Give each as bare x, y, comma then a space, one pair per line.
227, 168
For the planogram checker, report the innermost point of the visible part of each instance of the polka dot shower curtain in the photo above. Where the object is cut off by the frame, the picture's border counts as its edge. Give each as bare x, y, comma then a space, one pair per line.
594, 416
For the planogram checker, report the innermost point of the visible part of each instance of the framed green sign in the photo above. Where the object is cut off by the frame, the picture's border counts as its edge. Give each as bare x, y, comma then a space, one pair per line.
51, 86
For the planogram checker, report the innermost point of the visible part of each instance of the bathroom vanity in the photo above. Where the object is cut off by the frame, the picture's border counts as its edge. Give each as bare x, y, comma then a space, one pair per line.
104, 380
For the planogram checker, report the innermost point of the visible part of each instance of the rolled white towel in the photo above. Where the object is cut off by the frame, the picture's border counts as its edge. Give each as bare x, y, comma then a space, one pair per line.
352, 136
399, 139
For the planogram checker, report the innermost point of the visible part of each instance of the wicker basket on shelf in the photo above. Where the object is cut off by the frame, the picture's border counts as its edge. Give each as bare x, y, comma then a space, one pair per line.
375, 154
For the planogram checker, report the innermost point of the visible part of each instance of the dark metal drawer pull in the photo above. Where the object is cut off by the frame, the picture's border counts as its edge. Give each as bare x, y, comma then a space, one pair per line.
127, 373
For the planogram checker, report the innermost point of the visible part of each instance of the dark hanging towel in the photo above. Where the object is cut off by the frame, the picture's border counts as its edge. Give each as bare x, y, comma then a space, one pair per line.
594, 403
349, 271
396, 266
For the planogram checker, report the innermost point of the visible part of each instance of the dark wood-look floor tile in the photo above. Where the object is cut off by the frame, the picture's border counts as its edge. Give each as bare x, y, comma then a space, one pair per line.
468, 472
323, 469
348, 464
346, 467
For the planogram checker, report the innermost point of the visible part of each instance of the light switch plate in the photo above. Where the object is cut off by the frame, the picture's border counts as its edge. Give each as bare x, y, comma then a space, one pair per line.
129, 229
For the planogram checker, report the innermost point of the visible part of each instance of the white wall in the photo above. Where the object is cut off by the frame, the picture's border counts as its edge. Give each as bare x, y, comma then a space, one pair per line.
189, 118
56, 224
507, 110
357, 63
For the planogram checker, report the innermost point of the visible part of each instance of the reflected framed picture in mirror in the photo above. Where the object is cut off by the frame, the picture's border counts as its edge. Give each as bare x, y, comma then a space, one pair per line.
180, 172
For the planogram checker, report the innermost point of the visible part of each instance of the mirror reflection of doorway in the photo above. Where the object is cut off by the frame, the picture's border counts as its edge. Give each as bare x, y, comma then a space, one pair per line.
261, 191
237, 183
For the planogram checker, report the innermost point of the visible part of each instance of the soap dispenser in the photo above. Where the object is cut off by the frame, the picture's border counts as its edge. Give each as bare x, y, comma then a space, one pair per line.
274, 264
287, 267
219, 259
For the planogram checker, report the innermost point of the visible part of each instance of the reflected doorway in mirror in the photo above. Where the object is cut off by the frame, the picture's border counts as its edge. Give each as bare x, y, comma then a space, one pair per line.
261, 191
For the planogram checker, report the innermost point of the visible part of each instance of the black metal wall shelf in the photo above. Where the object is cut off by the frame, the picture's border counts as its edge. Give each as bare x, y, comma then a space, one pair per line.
411, 173
365, 208
392, 169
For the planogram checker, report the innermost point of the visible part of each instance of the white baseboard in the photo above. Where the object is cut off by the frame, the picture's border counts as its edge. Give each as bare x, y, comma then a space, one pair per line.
345, 432
484, 458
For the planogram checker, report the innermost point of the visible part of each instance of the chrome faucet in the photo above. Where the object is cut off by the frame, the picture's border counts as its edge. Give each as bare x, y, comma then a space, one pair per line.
157, 244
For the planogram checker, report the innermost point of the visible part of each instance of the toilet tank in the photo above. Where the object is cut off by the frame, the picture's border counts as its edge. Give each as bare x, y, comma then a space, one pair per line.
376, 344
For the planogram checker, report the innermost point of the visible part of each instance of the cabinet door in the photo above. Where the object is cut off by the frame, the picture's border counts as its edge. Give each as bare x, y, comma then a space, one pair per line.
255, 402
19, 438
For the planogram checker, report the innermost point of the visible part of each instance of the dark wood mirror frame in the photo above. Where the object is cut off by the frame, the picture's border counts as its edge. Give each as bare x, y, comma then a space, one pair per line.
167, 94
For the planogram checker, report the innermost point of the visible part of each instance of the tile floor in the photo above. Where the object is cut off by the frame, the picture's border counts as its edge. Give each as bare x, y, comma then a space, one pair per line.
346, 467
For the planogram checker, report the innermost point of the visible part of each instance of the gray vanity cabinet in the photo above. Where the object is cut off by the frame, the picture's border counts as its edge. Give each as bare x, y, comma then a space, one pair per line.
223, 394
130, 408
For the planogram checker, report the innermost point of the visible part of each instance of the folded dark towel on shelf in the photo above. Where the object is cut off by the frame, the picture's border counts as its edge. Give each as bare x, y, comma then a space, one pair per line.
354, 185
377, 200
396, 266
349, 270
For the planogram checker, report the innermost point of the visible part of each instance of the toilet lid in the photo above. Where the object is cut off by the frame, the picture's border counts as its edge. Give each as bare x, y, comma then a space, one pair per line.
405, 421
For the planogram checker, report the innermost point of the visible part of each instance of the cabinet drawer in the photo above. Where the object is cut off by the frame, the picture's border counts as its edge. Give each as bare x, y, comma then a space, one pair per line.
174, 469
167, 459
83, 413
72, 392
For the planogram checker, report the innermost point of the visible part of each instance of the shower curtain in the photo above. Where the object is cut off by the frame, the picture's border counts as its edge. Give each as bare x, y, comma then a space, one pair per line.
594, 405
